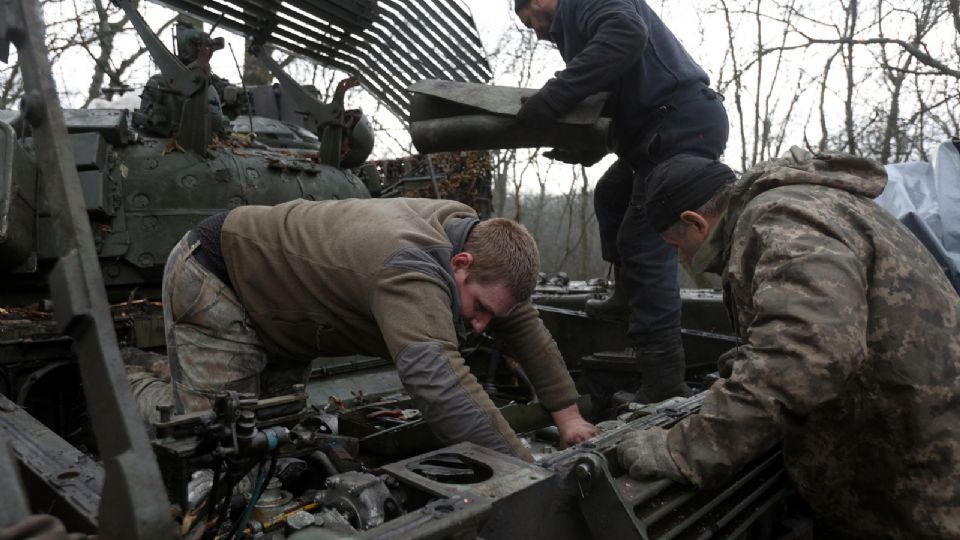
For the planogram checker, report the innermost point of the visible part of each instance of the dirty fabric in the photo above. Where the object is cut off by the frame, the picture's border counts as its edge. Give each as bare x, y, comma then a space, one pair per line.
850, 354
150, 392
211, 342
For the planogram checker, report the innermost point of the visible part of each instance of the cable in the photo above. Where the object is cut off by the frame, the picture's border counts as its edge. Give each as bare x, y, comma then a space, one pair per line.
273, 443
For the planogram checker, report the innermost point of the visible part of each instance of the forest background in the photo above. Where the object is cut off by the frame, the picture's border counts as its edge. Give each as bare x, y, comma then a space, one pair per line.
877, 78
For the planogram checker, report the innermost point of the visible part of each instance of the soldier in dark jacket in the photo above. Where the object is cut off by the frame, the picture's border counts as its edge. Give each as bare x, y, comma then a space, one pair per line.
661, 106
850, 349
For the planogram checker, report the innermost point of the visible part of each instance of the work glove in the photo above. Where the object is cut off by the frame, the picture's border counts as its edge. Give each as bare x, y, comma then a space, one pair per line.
574, 157
536, 113
645, 454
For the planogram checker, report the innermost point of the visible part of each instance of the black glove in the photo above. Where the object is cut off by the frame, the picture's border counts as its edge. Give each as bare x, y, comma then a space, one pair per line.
574, 157
535, 112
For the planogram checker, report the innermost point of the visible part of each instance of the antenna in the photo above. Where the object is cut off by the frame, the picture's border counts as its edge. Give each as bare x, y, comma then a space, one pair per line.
243, 85
216, 24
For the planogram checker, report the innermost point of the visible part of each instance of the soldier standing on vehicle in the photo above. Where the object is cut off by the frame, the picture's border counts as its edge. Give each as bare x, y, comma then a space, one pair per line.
850, 349
253, 295
661, 106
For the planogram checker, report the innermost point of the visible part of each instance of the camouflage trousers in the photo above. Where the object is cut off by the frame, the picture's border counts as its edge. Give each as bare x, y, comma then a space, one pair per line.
212, 344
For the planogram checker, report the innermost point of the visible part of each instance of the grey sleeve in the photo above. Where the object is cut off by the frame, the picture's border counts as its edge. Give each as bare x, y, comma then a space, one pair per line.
448, 408
414, 315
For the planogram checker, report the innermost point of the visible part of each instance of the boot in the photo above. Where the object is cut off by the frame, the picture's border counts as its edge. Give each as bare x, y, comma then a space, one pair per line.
662, 367
612, 308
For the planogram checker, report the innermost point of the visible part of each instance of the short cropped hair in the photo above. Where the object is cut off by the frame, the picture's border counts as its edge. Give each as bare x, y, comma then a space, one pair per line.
520, 4
716, 206
504, 252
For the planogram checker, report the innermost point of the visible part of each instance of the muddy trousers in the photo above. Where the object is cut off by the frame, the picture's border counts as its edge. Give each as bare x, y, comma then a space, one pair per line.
212, 344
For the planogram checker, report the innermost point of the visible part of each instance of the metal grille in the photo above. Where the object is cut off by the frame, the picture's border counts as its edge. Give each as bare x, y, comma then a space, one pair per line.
388, 44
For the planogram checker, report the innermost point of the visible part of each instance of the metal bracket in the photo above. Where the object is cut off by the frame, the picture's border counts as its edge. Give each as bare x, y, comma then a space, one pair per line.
600, 498
317, 115
81, 307
178, 77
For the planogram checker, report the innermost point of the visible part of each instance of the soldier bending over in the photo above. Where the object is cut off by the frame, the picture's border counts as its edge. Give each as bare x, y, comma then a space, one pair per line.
253, 295
850, 349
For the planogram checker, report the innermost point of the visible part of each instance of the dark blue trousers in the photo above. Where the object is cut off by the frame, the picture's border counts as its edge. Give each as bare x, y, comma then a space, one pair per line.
648, 266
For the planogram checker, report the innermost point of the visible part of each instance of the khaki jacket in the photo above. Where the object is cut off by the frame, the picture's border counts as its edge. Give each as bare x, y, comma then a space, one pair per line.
373, 277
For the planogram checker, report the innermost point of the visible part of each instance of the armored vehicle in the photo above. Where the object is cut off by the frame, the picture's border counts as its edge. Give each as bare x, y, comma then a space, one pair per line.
344, 457
195, 147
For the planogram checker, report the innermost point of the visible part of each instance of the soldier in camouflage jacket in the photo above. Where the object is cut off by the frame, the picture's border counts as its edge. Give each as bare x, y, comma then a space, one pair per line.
850, 350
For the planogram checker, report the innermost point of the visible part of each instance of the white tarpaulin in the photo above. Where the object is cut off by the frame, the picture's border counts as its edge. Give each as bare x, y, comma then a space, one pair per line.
926, 198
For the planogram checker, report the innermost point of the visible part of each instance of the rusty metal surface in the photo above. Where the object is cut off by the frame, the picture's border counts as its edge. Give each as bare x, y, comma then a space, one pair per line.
60, 479
15, 506
617, 506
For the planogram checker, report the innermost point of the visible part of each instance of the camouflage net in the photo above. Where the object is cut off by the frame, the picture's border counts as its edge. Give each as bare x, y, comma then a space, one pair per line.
461, 176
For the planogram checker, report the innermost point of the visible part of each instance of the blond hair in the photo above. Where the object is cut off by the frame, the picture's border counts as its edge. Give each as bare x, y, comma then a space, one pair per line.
504, 252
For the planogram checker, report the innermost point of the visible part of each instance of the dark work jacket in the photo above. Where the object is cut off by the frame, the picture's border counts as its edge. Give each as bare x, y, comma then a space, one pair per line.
620, 46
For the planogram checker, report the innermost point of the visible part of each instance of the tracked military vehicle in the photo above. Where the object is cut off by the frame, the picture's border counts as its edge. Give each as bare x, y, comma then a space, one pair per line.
350, 465
145, 181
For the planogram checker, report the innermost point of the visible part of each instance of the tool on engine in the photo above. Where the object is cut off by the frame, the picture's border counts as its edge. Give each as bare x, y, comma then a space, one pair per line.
241, 439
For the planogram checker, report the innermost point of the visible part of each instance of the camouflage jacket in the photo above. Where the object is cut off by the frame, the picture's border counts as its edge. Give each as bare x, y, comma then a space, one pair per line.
850, 352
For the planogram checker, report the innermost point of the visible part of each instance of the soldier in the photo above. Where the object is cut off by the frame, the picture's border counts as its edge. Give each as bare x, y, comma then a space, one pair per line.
251, 296
661, 106
160, 107
850, 349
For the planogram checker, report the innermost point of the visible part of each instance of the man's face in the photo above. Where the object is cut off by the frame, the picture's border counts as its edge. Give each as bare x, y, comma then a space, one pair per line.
479, 303
689, 235
537, 16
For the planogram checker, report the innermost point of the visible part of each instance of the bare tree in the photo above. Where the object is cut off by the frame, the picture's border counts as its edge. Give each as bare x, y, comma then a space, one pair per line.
12, 87
97, 27
517, 59
893, 96
736, 77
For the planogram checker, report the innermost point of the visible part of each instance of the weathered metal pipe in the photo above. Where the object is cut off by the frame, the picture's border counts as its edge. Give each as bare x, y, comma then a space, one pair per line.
492, 132
449, 116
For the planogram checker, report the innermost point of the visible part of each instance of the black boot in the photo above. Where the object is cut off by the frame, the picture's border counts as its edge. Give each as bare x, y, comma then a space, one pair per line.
663, 367
612, 308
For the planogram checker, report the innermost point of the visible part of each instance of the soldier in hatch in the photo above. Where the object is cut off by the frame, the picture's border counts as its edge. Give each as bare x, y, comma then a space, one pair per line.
251, 296
850, 352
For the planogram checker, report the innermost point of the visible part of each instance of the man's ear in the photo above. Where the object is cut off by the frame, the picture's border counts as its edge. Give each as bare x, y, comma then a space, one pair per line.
540, 5
461, 261
695, 220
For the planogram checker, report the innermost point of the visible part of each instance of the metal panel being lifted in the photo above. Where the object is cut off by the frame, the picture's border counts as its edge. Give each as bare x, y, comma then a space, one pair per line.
387, 44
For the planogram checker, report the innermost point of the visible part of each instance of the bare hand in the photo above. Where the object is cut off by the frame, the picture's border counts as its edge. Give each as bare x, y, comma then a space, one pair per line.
576, 431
